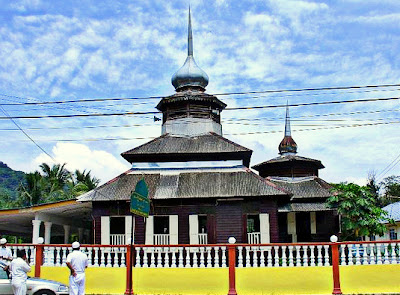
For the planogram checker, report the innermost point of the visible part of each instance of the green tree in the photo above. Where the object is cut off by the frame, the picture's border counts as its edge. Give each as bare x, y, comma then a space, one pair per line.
360, 214
391, 189
53, 183
32, 191
83, 182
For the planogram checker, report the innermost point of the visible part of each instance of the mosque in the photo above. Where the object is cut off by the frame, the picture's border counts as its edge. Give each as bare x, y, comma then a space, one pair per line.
201, 186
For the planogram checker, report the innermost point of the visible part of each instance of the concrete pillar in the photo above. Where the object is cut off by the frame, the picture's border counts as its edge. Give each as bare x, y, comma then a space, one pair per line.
80, 234
67, 229
35, 230
47, 231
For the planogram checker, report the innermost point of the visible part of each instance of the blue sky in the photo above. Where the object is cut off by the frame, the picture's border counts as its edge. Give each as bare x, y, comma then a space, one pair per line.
72, 50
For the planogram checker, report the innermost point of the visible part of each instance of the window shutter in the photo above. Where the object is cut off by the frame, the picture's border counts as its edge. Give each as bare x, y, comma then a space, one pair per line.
149, 230
128, 228
313, 222
291, 222
105, 230
193, 229
173, 229
264, 228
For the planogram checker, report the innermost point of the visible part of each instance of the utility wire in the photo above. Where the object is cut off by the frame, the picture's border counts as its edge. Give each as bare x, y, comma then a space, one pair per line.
228, 109
26, 134
227, 134
216, 94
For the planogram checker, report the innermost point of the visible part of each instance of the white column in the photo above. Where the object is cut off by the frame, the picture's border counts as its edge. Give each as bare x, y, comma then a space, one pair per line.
105, 230
35, 230
291, 222
193, 229
128, 228
47, 231
313, 219
173, 229
149, 230
264, 228
67, 229
80, 234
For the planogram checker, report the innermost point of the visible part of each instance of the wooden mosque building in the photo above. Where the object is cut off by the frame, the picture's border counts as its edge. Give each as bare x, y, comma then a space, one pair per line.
201, 187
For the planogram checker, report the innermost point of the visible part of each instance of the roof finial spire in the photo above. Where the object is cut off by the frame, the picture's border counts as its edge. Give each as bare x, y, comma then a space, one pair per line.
288, 132
287, 146
190, 75
190, 37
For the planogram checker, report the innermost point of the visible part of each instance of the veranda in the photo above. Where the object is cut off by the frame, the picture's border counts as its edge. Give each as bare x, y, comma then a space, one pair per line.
302, 268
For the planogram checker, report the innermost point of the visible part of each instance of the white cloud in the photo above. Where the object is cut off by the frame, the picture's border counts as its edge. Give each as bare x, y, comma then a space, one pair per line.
102, 164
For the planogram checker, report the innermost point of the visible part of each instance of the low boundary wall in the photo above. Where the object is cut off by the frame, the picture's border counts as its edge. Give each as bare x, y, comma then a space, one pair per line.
356, 279
318, 268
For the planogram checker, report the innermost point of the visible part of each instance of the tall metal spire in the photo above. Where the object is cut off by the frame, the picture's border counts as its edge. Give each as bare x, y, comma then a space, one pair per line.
190, 36
190, 75
287, 121
287, 146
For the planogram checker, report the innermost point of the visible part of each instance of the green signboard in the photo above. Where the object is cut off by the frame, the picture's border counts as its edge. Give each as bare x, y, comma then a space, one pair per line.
140, 203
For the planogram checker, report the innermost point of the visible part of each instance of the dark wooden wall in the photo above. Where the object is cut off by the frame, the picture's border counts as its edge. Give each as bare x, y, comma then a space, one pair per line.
225, 218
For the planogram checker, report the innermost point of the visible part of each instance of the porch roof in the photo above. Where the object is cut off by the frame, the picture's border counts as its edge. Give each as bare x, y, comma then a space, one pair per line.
187, 183
304, 207
70, 212
303, 188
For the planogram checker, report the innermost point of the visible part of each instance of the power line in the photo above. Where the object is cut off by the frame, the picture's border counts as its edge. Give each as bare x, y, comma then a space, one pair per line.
228, 109
26, 134
216, 94
228, 134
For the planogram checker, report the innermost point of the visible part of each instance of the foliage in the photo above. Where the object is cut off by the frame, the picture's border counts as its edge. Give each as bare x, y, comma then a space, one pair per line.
391, 189
358, 207
52, 183
9, 181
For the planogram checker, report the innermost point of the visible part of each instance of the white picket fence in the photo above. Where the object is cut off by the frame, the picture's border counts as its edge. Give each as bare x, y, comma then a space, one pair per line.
215, 256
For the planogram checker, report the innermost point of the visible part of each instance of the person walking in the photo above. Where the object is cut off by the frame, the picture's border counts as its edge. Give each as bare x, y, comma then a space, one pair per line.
19, 268
77, 262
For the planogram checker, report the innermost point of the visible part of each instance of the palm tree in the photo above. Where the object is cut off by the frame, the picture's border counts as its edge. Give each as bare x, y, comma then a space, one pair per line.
86, 181
31, 193
58, 176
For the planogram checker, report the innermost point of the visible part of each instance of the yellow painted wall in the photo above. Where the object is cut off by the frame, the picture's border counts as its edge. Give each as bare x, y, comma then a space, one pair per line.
284, 280
360, 279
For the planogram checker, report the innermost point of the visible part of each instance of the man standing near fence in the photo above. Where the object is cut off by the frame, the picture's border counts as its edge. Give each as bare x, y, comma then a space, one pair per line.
77, 263
19, 268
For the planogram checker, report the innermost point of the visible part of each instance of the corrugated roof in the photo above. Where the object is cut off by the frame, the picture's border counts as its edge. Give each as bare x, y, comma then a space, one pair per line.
393, 210
207, 147
289, 158
183, 184
303, 187
304, 207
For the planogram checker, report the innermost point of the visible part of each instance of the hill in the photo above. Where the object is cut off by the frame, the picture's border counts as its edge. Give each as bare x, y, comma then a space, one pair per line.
10, 180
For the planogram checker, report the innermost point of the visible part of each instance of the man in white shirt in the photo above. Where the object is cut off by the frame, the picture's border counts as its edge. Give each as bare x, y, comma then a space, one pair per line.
5, 255
77, 263
19, 268
5, 252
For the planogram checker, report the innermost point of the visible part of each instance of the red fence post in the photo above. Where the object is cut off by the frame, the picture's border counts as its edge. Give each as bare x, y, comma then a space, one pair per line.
232, 265
129, 256
38, 259
335, 268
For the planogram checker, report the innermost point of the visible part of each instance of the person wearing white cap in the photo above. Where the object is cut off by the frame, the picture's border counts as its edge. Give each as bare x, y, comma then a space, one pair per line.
19, 268
5, 254
77, 262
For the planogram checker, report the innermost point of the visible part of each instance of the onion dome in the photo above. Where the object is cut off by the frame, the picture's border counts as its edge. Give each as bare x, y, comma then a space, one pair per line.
190, 75
287, 145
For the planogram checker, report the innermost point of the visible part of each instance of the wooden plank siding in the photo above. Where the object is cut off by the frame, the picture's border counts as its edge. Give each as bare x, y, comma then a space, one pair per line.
224, 217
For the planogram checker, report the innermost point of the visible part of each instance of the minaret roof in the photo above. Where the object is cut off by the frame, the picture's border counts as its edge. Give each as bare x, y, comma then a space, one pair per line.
190, 74
287, 145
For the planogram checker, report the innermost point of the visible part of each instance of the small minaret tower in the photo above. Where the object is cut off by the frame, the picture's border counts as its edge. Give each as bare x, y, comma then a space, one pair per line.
190, 111
287, 146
